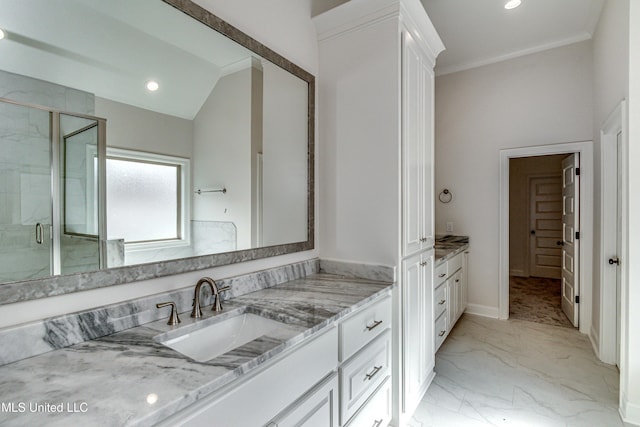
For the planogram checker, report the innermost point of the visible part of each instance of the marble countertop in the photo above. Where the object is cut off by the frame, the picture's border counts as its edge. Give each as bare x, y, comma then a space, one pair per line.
449, 246
127, 378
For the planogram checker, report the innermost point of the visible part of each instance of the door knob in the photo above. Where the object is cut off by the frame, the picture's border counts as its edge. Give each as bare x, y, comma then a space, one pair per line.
533, 231
614, 260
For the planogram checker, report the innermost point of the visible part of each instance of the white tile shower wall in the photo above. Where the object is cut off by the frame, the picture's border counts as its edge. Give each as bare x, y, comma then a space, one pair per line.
39, 92
24, 170
207, 237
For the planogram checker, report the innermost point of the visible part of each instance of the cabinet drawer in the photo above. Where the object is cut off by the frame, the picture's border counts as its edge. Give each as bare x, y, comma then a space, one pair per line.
377, 411
440, 330
440, 273
362, 327
319, 407
440, 300
363, 374
454, 264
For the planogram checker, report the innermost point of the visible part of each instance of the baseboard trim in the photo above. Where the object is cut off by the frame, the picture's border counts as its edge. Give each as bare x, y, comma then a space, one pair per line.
630, 412
483, 310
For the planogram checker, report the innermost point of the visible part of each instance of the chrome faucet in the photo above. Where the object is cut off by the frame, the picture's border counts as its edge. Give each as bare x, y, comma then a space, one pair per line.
215, 292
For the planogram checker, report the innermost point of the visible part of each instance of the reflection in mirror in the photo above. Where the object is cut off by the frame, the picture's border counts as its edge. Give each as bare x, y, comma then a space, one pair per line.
220, 117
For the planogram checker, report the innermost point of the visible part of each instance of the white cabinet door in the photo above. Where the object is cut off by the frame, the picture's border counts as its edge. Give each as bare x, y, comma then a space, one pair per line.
418, 341
452, 301
417, 148
465, 281
412, 146
318, 408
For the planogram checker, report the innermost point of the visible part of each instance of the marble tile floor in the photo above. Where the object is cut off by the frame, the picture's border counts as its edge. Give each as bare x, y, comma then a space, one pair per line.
517, 373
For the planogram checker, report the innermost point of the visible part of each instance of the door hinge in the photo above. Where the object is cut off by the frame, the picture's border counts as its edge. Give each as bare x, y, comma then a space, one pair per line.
577, 235
577, 171
577, 299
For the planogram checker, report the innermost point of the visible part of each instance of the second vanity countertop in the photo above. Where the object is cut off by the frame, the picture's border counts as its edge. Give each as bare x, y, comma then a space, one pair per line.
449, 246
129, 379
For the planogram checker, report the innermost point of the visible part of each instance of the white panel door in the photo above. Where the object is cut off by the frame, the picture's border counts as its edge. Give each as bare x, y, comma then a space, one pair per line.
412, 155
417, 327
545, 217
417, 149
615, 260
570, 228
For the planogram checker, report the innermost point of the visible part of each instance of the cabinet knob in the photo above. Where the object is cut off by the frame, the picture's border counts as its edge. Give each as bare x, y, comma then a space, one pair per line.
442, 333
442, 301
442, 274
423, 263
173, 317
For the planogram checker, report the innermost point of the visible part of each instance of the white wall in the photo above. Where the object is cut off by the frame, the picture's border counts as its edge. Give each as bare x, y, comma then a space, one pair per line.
138, 129
282, 25
539, 99
222, 155
610, 86
284, 158
629, 384
359, 153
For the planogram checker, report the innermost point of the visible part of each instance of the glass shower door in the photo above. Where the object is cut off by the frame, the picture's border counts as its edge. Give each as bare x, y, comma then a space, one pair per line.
25, 193
79, 241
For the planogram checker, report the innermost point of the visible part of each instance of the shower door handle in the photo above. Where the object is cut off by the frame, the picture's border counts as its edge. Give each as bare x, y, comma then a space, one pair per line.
39, 233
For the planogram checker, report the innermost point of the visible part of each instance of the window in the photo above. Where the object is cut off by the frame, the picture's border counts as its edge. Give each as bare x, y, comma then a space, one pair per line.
146, 198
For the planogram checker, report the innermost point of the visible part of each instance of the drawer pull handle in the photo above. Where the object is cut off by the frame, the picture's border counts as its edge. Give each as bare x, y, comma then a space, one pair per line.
376, 323
442, 301
441, 334
377, 423
423, 263
373, 373
442, 274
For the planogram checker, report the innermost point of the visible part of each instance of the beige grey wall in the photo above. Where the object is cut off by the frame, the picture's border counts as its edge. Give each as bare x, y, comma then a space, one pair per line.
135, 128
520, 170
285, 158
222, 154
610, 86
539, 99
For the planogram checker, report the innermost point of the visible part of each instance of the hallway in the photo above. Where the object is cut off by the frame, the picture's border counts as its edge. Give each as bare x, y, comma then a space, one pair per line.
537, 299
517, 373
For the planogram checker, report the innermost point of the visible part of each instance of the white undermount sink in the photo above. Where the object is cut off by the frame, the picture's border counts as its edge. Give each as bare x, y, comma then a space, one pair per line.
222, 336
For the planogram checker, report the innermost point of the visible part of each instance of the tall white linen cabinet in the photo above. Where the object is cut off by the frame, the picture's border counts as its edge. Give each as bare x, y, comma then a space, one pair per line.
376, 106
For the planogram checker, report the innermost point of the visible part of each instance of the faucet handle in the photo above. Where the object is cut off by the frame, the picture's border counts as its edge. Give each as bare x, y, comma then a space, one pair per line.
217, 305
173, 317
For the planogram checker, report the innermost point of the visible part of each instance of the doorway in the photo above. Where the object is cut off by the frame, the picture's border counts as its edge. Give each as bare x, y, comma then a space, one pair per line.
584, 244
541, 275
613, 234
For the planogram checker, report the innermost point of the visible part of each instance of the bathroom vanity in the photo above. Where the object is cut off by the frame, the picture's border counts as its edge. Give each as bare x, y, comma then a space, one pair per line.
450, 282
329, 359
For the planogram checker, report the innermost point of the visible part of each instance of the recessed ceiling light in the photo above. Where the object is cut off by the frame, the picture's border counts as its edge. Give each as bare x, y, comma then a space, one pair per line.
2, 34
152, 85
512, 4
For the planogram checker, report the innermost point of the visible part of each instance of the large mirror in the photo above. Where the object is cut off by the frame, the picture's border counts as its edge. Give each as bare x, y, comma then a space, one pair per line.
144, 138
